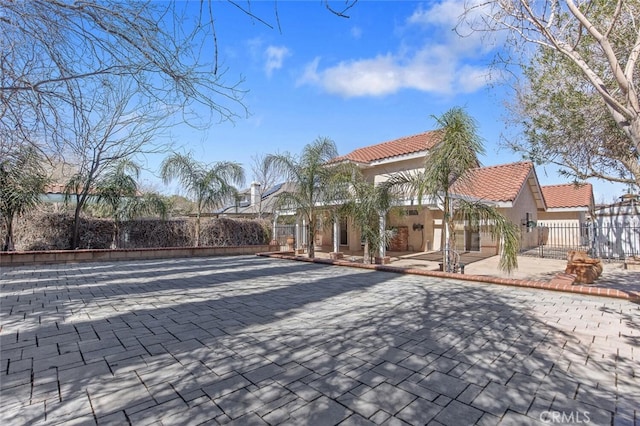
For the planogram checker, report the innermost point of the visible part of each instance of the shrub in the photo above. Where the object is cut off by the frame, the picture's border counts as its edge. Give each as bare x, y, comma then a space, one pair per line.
45, 230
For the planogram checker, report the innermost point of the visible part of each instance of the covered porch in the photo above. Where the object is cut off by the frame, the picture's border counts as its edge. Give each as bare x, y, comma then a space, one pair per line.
418, 231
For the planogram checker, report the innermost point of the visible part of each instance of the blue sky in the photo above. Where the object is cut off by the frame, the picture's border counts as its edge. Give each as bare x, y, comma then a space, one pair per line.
377, 76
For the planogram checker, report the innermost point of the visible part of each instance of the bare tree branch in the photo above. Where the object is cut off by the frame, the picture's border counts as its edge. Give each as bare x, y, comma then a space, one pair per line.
601, 44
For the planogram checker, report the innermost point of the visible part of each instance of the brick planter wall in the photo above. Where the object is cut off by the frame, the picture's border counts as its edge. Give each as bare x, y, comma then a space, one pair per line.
72, 256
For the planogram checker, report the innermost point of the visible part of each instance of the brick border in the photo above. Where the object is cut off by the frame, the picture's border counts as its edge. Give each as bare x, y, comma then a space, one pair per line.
562, 282
23, 258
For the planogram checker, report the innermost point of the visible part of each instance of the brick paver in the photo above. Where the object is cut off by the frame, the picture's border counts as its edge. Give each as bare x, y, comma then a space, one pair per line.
250, 340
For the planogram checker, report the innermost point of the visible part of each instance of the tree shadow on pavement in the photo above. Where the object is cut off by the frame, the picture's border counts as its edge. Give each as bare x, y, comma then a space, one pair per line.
317, 344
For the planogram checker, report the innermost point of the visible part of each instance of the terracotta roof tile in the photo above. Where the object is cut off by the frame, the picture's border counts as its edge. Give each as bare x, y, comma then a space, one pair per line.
403, 146
568, 195
54, 188
494, 183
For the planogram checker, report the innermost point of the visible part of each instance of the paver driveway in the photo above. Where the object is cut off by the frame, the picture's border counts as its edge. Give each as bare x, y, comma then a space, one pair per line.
252, 340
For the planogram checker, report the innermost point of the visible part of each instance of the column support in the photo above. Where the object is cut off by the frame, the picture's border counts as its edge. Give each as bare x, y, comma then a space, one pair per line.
382, 258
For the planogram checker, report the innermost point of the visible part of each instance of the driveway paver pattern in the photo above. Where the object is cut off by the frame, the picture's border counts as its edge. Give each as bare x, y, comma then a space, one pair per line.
250, 340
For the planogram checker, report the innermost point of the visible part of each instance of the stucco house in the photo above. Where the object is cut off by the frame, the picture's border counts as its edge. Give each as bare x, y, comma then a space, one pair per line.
253, 203
568, 204
513, 188
568, 218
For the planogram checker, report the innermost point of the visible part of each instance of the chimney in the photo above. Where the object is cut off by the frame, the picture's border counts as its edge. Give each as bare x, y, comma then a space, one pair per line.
255, 194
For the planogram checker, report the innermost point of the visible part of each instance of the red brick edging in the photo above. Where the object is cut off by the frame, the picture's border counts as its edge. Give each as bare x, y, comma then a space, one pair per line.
22, 258
562, 282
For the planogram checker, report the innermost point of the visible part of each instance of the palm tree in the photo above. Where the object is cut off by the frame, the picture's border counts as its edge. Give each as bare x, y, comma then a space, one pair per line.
367, 204
317, 181
22, 181
209, 185
117, 191
449, 163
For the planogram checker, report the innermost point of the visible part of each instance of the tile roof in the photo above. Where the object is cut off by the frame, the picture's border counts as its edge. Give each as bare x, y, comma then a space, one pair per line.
403, 146
54, 188
568, 195
495, 183
59, 189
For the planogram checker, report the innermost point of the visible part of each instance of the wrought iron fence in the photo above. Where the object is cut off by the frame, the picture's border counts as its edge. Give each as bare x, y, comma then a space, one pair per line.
609, 241
287, 235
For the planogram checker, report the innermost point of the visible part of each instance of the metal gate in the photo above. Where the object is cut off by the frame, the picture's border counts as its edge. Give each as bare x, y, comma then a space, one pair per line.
610, 241
287, 237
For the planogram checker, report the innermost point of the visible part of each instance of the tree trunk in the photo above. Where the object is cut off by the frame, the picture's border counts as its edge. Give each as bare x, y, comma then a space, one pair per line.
197, 241
634, 131
366, 256
116, 234
75, 234
8, 239
452, 247
311, 237
448, 258
446, 230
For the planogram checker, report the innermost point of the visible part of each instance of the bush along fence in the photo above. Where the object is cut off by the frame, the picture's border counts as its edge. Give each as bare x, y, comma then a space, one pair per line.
43, 231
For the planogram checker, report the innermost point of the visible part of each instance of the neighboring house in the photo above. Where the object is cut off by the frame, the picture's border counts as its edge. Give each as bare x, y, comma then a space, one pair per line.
512, 188
252, 203
53, 193
618, 230
567, 221
568, 203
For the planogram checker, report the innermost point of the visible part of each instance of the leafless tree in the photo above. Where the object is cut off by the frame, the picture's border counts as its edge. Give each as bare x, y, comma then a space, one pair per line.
266, 175
93, 82
169, 50
50, 48
107, 125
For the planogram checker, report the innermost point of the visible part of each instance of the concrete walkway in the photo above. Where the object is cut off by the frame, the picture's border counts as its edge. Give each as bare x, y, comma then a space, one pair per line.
250, 340
614, 276
533, 268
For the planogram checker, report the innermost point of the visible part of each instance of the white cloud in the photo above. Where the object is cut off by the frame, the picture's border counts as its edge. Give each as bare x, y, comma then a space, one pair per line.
445, 13
356, 32
445, 65
388, 74
275, 56
254, 47
471, 79
310, 74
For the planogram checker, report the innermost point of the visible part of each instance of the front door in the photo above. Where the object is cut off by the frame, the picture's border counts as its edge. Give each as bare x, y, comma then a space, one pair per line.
343, 232
474, 240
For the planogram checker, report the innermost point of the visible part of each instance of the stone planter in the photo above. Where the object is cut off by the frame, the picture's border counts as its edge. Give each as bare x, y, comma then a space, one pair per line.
585, 269
290, 242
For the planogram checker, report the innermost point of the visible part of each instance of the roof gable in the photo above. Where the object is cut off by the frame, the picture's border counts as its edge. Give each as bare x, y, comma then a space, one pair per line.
414, 144
568, 196
502, 183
